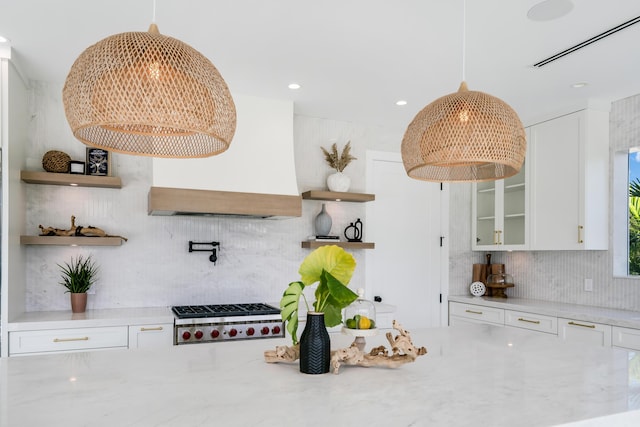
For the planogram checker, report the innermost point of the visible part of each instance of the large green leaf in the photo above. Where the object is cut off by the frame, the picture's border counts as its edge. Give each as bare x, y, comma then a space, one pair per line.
333, 267
289, 308
330, 258
331, 297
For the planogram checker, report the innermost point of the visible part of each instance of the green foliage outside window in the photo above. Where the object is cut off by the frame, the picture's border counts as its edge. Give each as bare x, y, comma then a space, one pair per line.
634, 228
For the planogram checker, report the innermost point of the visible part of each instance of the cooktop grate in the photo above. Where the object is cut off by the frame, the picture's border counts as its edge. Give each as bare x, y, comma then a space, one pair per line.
220, 310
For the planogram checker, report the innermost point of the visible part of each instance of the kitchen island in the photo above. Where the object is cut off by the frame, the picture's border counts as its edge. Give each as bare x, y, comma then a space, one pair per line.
479, 375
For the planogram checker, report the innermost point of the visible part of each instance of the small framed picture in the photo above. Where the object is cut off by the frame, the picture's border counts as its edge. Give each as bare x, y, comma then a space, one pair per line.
76, 167
97, 162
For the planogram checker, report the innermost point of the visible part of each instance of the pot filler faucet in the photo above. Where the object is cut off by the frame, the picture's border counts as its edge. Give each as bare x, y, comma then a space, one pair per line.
214, 254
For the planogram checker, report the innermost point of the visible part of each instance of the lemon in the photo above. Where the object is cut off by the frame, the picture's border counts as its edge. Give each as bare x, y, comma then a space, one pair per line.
364, 323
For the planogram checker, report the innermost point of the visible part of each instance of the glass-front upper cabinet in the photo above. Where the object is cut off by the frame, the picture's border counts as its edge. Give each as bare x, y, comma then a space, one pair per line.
500, 214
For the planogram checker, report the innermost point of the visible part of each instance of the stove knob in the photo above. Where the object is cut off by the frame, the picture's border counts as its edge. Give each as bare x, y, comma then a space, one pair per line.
233, 332
250, 331
215, 333
186, 335
276, 330
264, 330
198, 335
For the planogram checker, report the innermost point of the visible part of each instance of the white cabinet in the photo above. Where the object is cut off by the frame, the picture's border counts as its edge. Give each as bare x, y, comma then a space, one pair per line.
625, 338
531, 321
579, 331
569, 176
150, 336
67, 340
470, 313
499, 212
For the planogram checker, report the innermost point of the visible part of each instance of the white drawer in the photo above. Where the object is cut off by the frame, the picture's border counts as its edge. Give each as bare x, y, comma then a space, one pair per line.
60, 340
583, 332
477, 312
626, 338
534, 322
151, 336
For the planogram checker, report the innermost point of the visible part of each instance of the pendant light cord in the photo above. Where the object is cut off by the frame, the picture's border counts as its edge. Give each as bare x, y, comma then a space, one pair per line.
464, 37
153, 19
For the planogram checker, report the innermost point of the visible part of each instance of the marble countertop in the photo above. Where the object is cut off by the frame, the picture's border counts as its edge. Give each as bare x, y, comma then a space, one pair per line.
472, 375
610, 316
36, 320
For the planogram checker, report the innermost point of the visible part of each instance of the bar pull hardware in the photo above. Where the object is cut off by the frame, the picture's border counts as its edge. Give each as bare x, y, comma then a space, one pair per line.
520, 319
580, 228
70, 339
158, 328
583, 325
473, 312
497, 237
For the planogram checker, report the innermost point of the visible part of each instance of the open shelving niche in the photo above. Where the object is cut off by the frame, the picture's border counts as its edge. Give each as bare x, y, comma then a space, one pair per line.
68, 179
336, 196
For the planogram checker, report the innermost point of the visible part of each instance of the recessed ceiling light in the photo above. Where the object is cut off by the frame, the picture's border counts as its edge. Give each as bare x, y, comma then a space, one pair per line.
401, 102
294, 86
549, 10
579, 85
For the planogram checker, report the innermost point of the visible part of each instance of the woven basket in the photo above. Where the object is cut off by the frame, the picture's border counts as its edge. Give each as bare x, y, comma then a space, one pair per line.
56, 161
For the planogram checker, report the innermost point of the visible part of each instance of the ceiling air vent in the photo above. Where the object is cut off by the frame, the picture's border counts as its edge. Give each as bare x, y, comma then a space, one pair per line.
587, 42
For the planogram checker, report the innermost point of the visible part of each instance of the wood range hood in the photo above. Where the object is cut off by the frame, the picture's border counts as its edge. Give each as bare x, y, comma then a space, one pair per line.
164, 201
255, 177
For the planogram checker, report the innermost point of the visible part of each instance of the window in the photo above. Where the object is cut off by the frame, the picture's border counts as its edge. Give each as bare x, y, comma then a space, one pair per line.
634, 212
626, 213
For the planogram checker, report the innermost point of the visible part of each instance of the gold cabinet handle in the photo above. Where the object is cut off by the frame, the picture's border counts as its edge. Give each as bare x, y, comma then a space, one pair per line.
70, 339
520, 319
580, 228
583, 325
496, 237
473, 312
158, 328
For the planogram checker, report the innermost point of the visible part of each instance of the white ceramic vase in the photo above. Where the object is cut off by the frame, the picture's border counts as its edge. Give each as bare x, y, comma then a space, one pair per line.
338, 182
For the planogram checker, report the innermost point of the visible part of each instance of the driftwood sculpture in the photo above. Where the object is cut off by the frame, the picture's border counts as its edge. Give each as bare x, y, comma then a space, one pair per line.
79, 230
403, 351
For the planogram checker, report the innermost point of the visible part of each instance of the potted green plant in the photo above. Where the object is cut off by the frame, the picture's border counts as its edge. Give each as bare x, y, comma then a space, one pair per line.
331, 267
78, 276
338, 181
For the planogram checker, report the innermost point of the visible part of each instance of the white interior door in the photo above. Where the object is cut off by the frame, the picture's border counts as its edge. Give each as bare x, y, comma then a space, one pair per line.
408, 265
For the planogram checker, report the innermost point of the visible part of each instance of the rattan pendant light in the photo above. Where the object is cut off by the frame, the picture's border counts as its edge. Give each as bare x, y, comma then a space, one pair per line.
148, 94
464, 136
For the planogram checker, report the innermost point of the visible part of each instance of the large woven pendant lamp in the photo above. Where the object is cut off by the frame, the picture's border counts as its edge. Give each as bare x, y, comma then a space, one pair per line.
464, 136
148, 94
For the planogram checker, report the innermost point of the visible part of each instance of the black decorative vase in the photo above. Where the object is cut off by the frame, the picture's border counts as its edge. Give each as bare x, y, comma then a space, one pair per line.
315, 346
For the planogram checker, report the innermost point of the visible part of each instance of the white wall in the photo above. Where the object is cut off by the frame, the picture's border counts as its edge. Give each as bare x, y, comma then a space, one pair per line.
257, 260
13, 129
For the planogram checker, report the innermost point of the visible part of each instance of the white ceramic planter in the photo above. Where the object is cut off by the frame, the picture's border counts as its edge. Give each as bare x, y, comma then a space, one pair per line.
338, 182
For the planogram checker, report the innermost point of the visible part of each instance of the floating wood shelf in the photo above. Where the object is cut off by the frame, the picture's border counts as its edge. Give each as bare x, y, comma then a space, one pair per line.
335, 196
312, 244
70, 241
51, 178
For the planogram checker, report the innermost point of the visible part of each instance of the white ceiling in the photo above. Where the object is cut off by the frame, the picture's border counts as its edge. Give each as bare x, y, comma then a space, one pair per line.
355, 58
